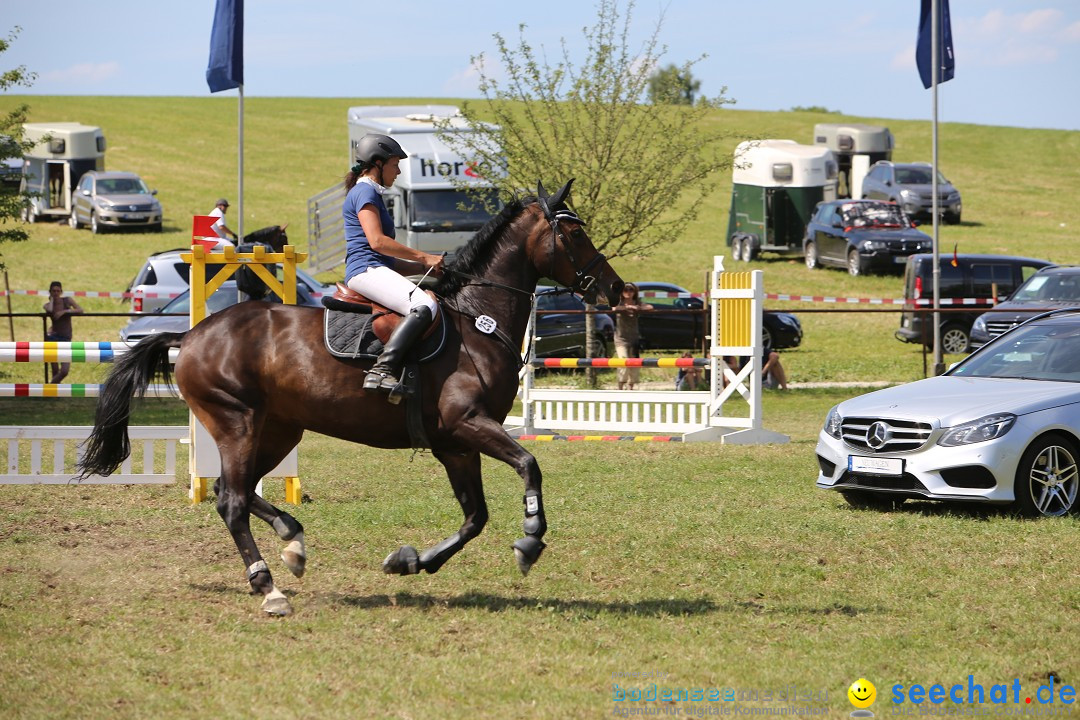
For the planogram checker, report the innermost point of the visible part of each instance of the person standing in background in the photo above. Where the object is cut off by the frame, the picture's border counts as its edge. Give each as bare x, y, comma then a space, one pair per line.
627, 339
60, 309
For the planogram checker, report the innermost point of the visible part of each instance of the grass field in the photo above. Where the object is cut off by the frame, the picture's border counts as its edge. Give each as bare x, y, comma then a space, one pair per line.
709, 566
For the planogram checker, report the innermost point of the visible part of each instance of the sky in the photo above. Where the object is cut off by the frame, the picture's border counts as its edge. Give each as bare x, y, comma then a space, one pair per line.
1017, 61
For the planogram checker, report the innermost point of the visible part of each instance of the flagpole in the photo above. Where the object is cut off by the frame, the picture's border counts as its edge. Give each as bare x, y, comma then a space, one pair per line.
240, 167
935, 64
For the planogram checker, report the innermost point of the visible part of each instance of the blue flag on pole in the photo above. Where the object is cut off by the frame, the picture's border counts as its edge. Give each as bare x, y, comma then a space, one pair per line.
226, 69
923, 49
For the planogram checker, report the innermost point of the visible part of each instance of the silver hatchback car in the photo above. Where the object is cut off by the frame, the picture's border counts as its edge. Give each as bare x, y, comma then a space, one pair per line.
107, 200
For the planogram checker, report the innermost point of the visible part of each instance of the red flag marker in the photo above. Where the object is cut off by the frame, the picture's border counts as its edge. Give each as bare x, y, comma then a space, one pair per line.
202, 227
207, 244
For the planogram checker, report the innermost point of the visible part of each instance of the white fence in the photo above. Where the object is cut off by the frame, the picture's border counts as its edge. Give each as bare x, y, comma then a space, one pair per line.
29, 449
736, 301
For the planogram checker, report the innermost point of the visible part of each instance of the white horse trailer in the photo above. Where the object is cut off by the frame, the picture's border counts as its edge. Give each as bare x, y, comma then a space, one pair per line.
51, 169
856, 147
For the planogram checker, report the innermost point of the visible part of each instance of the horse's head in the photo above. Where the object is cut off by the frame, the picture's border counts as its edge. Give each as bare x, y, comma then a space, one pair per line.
273, 237
563, 251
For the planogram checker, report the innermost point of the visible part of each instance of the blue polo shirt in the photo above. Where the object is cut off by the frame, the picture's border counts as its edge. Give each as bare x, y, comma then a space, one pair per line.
358, 253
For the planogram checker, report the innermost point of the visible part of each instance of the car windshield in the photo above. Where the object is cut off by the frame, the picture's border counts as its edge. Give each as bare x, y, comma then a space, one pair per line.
917, 176
222, 298
1038, 351
864, 214
121, 186
1055, 287
452, 209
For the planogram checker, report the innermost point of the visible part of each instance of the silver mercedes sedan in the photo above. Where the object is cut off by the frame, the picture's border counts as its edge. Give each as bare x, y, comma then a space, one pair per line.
1002, 426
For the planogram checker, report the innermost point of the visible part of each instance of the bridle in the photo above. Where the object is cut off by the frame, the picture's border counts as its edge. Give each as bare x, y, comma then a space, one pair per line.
583, 280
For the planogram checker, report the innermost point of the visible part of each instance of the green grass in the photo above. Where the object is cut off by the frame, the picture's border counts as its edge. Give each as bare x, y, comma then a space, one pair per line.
718, 565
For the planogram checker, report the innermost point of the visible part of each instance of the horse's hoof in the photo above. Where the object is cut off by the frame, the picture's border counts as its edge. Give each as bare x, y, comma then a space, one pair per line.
527, 551
295, 562
403, 561
278, 606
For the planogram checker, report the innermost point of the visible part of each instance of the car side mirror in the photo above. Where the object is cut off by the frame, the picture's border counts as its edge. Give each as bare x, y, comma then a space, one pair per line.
153, 192
86, 193
888, 183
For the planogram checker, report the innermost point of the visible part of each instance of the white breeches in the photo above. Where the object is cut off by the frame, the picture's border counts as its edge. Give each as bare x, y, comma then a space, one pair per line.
391, 290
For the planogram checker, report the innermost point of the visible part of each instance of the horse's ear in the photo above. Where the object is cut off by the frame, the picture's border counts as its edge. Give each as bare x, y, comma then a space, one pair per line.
284, 226
561, 195
542, 198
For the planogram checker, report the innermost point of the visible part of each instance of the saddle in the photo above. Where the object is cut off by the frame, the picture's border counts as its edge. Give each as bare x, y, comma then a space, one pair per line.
357, 328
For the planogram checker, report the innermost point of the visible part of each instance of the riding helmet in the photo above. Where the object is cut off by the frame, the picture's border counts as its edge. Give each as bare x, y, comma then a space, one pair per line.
372, 148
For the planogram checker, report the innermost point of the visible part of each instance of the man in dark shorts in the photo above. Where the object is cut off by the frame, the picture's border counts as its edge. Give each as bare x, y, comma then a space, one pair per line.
60, 309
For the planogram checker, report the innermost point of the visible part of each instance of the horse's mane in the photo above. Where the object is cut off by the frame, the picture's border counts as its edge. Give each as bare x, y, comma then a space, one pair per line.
474, 258
263, 235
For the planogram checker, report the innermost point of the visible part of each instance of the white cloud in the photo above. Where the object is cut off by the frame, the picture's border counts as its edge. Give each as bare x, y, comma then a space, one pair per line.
903, 60
86, 73
1000, 39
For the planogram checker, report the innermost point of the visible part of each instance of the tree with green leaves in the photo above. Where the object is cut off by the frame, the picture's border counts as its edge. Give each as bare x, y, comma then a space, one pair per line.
642, 168
12, 145
673, 85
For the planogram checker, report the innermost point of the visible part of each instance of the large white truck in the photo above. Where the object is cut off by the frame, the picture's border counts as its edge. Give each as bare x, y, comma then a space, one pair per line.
438, 202
432, 211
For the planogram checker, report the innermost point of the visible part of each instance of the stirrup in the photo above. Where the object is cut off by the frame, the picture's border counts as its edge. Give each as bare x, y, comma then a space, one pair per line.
386, 383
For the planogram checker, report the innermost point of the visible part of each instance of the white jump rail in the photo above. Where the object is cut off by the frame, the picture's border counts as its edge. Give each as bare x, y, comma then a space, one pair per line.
45, 442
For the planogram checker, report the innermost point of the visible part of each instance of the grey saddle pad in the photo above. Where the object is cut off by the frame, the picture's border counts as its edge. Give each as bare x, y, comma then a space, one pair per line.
349, 335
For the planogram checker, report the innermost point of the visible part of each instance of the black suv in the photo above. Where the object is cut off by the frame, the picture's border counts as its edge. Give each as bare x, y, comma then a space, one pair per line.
973, 276
910, 185
861, 235
1049, 289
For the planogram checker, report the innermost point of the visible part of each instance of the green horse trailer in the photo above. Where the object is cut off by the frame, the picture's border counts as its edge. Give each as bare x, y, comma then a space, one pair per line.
856, 147
775, 186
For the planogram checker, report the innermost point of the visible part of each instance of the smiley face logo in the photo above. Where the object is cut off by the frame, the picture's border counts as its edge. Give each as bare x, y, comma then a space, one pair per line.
862, 693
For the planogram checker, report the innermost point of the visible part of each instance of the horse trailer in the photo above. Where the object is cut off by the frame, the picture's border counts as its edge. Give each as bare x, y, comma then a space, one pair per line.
51, 169
441, 198
856, 148
775, 186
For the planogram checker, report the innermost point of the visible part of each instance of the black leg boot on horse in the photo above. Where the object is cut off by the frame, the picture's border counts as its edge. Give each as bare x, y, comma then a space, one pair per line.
383, 376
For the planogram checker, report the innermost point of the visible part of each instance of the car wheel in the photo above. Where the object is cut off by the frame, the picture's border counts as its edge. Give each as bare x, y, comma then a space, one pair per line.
156, 227
954, 339
812, 262
855, 263
766, 336
73, 221
862, 500
95, 225
952, 219
1047, 477
748, 251
736, 249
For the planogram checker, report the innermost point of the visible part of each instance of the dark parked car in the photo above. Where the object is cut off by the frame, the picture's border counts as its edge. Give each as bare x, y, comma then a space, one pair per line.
670, 327
560, 331
910, 185
973, 276
160, 321
862, 235
1049, 289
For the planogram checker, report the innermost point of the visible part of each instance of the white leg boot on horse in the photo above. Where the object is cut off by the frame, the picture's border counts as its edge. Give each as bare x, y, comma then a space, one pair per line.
383, 376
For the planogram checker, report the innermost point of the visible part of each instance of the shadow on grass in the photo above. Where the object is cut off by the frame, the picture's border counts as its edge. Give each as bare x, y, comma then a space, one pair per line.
641, 608
962, 510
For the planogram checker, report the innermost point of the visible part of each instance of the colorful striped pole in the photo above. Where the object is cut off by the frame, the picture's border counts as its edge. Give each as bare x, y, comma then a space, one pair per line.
74, 390
91, 352
621, 362
603, 438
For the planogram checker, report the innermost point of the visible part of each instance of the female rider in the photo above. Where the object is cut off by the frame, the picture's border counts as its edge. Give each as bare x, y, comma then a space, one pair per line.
373, 257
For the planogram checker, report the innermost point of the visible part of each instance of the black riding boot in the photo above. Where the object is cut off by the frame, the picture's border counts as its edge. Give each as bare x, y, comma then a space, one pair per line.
383, 377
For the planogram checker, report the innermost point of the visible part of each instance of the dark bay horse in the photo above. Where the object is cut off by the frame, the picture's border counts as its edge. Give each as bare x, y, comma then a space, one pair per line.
258, 375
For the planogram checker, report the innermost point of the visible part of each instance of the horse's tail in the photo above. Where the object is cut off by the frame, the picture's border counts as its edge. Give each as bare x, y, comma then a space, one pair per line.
108, 444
